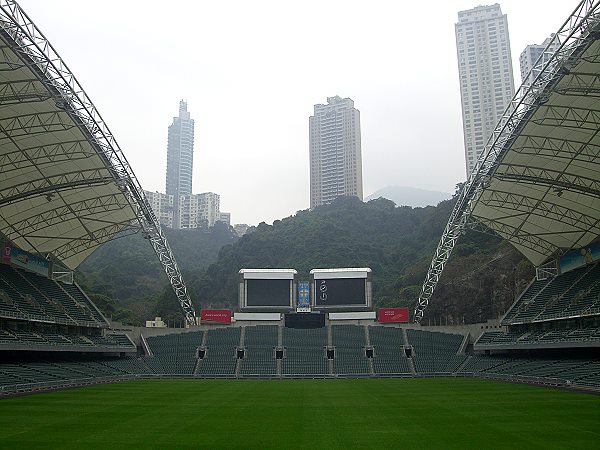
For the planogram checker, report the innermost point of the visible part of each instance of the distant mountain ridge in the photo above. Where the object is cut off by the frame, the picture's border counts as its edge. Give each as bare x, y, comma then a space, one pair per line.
409, 196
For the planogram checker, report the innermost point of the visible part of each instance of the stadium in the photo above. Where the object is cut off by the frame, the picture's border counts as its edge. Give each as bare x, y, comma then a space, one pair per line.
297, 364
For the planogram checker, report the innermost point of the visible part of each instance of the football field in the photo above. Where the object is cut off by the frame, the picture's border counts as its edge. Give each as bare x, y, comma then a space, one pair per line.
430, 413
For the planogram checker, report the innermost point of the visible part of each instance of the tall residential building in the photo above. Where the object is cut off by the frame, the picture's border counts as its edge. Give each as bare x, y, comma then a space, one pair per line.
225, 218
163, 207
486, 75
530, 56
180, 153
179, 208
192, 211
335, 152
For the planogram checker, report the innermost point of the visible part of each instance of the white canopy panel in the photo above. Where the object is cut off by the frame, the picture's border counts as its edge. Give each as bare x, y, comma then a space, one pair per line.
543, 195
65, 185
59, 193
537, 183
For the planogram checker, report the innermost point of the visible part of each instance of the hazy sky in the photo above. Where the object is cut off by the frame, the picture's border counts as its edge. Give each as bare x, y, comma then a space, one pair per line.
251, 72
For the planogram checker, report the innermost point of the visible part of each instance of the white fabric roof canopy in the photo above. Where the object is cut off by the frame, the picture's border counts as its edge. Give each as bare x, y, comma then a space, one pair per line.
58, 192
544, 194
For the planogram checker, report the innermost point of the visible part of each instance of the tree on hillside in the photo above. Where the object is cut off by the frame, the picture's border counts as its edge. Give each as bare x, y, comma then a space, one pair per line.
397, 243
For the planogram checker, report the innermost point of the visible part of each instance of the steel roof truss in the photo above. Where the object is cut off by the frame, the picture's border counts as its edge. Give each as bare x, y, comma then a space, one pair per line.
568, 116
576, 35
22, 91
90, 206
46, 122
87, 242
530, 241
548, 177
55, 183
542, 207
558, 148
45, 154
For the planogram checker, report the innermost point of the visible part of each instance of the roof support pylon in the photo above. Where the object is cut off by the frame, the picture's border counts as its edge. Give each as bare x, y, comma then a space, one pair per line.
67, 107
153, 232
575, 34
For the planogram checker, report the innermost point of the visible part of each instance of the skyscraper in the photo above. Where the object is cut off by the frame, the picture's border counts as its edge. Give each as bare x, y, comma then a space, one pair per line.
180, 153
178, 208
486, 75
335, 152
530, 55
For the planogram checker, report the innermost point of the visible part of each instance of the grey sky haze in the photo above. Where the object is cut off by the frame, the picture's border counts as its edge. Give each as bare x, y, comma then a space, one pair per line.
252, 71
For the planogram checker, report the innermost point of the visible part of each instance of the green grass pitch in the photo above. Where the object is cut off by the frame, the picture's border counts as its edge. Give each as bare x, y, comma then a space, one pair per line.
438, 413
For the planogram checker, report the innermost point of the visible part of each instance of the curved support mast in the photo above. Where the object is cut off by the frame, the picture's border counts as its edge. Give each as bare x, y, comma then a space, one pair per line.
30, 44
578, 28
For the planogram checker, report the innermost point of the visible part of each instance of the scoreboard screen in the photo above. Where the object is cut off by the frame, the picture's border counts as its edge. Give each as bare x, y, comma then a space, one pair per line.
268, 293
339, 292
267, 289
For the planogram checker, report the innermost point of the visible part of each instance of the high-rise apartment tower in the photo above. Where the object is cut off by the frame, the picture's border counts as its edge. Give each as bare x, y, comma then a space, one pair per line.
180, 153
335, 152
486, 75
531, 55
179, 208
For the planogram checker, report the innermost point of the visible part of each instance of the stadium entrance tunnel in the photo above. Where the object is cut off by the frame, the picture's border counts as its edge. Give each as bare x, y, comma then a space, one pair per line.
408, 352
200, 353
279, 353
330, 353
369, 352
240, 353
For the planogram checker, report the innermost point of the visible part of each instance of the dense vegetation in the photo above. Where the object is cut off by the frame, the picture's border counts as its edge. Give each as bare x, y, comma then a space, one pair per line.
481, 280
124, 277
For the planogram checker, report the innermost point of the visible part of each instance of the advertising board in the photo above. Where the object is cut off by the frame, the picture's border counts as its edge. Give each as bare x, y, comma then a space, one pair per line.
392, 315
363, 315
257, 316
216, 315
580, 257
303, 296
28, 261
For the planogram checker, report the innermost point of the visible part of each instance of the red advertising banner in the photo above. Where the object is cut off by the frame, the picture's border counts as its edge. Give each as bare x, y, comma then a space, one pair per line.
6, 254
387, 315
216, 315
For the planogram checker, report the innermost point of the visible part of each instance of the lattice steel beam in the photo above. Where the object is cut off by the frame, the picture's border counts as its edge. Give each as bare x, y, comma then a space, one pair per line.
42, 186
579, 83
522, 204
90, 240
568, 117
26, 40
550, 178
45, 154
22, 91
57, 215
558, 148
571, 41
529, 241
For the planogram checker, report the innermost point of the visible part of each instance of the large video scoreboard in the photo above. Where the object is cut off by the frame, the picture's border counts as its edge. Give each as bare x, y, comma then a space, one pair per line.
267, 289
341, 289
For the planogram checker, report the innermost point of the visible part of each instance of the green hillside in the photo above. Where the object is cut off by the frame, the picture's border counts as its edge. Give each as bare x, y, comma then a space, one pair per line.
481, 280
124, 277
397, 243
